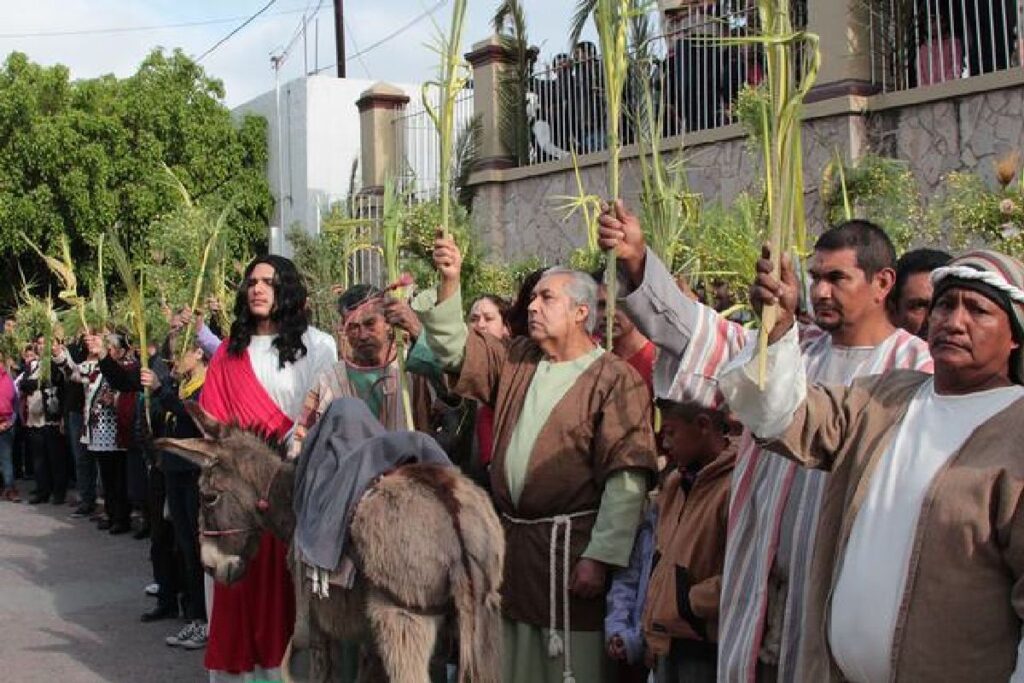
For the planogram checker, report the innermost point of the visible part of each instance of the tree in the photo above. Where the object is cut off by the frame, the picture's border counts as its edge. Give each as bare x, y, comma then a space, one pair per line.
76, 157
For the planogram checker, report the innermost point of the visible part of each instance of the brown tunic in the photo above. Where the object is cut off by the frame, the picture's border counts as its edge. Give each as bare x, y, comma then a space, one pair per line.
690, 540
961, 614
601, 426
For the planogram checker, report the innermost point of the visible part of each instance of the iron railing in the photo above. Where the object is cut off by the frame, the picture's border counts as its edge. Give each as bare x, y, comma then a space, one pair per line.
418, 146
694, 76
917, 43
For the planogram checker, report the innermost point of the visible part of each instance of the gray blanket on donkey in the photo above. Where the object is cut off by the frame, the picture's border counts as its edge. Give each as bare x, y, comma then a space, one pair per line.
342, 455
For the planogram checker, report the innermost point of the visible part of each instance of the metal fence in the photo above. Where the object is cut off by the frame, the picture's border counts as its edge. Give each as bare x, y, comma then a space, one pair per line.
694, 79
917, 43
418, 146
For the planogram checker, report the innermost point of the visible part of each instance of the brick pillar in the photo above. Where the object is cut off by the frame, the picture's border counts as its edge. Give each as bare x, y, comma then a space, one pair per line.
843, 28
380, 140
488, 58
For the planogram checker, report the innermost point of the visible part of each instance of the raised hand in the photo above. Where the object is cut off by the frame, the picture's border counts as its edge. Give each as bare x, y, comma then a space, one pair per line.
769, 291
398, 313
149, 379
619, 231
448, 261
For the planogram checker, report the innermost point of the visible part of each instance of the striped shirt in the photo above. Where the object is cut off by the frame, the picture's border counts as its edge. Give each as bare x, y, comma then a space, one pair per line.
695, 344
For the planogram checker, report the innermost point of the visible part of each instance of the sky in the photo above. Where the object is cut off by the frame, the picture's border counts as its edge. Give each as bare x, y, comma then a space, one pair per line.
80, 36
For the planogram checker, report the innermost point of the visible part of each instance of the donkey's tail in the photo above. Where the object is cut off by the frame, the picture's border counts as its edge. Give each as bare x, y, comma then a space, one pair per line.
475, 579
478, 605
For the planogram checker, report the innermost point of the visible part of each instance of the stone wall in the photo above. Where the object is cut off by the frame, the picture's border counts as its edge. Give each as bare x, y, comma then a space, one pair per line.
966, 133
522, 216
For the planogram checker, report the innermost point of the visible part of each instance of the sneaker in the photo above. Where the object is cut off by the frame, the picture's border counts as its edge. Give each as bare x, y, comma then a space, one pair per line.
192, 636
152, 589
181, 636
197, 640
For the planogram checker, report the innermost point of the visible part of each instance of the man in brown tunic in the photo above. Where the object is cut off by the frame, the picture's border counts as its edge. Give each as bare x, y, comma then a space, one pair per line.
574, 453
918, 571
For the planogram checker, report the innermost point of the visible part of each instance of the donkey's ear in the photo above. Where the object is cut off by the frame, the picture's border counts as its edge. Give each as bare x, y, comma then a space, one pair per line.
210, 427
197, 451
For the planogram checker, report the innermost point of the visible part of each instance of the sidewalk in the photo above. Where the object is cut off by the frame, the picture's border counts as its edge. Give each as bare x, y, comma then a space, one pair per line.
70, 600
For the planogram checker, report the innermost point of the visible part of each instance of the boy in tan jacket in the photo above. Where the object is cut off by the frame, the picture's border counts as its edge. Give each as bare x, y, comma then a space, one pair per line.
681, 612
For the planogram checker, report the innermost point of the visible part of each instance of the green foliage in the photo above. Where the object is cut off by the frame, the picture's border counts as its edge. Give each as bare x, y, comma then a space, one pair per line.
972, 213
78, 157
749, 111
724, 245
480, 275
881, 190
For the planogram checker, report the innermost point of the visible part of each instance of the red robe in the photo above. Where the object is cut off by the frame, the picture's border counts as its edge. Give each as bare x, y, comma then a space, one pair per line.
252, 620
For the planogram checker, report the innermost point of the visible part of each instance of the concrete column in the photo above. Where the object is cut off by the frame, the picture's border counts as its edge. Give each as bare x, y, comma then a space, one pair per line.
844, 29
488, 58
381, 140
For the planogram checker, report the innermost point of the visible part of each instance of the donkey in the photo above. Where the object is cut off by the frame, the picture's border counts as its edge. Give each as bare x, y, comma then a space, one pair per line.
424, 539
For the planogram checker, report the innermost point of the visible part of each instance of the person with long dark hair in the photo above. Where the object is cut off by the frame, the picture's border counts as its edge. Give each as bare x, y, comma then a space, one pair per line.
518, 318
258, 379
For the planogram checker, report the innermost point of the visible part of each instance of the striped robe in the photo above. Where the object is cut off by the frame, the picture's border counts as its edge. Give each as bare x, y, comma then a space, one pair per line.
695, 343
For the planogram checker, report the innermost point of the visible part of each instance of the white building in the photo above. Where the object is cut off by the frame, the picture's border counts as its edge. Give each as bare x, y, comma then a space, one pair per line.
313, 137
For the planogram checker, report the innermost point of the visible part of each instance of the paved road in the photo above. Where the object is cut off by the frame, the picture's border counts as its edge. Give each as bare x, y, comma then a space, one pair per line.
70, 600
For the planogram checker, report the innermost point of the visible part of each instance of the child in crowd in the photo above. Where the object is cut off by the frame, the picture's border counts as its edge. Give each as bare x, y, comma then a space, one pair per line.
622, 623
680, 616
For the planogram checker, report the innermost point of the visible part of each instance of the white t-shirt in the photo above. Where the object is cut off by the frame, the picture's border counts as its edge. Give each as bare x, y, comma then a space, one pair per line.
289, 385
869, 590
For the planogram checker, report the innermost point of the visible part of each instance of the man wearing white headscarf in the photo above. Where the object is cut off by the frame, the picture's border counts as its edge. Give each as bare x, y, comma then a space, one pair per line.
918, 569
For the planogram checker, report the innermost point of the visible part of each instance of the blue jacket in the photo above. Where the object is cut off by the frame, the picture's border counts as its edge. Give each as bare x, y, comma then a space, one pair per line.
626, 597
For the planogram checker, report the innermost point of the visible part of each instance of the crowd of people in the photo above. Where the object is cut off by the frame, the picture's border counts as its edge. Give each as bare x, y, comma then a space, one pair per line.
673, 507
73, 417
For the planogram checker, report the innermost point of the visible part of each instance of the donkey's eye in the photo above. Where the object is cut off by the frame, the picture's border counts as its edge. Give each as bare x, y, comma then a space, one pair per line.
211, 498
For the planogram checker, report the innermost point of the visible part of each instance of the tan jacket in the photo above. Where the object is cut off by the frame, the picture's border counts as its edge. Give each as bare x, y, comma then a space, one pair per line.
601, 426
686, 583
960, 618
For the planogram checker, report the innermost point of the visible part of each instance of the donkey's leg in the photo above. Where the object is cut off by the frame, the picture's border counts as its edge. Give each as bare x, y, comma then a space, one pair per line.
403, 639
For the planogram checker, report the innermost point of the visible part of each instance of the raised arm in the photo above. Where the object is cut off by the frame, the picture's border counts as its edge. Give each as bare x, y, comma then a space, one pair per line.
440, 310
477, 358
659, 308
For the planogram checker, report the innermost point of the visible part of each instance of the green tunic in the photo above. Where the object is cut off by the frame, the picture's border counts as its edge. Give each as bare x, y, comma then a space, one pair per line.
526, 658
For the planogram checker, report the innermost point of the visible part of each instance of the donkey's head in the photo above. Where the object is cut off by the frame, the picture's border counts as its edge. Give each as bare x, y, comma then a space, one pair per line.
237, 470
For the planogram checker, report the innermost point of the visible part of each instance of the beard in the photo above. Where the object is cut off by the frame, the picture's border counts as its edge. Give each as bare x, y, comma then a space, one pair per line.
367, 355
829, 324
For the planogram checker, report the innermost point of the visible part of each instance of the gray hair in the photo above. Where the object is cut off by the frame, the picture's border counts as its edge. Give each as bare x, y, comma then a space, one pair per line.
581, 290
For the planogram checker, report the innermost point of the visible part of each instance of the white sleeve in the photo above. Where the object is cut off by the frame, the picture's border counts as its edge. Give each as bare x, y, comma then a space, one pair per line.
323, 351
766, 412
1018, 673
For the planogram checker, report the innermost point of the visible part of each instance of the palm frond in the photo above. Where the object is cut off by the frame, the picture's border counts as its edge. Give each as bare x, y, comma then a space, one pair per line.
64, 269
135, 300
392, 229
453, 75
578, 22
467, 156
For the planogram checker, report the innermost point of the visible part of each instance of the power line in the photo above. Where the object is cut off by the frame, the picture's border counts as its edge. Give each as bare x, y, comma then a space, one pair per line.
394, 34
134, 29
352, 36
235, 30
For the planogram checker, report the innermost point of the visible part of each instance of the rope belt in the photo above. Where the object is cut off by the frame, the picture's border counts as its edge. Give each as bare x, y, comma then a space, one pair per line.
558, 645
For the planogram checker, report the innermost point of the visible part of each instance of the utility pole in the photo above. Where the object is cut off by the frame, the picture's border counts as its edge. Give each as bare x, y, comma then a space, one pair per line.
339, 35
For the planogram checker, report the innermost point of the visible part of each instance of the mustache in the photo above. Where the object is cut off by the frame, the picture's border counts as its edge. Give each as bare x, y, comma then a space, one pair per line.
946, 340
